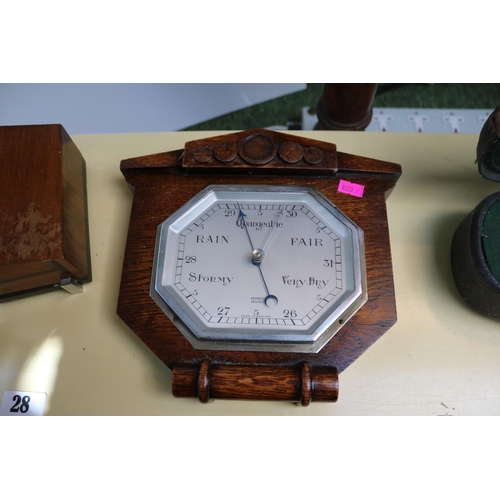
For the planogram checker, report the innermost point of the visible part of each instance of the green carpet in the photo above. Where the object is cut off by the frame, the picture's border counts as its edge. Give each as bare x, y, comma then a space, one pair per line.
288, 108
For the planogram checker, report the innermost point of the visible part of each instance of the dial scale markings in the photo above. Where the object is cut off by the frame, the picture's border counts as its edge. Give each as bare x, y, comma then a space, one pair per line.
199, 223
259, 264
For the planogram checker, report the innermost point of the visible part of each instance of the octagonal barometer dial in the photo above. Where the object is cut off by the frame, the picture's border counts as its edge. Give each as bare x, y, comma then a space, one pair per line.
259, 268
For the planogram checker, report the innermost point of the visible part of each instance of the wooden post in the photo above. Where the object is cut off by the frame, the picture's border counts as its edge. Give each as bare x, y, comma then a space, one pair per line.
345, 106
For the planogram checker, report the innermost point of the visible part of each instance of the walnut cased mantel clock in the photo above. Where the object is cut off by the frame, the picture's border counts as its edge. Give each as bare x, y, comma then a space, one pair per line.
44, 227
247, 271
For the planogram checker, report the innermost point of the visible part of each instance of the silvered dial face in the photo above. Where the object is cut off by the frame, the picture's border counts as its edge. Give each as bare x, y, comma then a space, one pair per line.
259, 268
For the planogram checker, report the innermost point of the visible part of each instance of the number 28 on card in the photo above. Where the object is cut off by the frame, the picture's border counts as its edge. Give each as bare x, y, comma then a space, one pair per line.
22, 404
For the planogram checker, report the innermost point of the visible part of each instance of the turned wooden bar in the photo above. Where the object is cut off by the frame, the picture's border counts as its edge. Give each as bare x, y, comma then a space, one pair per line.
301, 383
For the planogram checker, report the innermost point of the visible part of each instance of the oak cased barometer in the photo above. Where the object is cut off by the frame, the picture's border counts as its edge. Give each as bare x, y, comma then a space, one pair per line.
249, 273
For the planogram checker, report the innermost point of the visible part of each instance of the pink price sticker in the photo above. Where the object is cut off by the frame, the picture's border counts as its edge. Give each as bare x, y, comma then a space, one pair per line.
351, 188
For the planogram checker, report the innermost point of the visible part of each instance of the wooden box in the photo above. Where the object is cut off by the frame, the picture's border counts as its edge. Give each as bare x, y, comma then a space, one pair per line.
44, 237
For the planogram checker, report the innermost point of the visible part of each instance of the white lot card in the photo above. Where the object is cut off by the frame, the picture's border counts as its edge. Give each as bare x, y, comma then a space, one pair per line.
23, 404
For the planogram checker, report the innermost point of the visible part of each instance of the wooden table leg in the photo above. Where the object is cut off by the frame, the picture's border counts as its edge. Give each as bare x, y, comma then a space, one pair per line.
345, 106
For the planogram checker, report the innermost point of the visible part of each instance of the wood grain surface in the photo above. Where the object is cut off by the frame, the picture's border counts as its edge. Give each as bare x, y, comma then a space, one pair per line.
43, 209
162, 184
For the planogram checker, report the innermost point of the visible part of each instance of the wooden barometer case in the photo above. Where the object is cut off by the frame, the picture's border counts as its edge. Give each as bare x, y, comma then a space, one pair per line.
251, 271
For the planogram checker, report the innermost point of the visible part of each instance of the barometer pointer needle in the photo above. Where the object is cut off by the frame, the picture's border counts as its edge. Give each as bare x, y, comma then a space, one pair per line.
257, 257
272, 229
241, 222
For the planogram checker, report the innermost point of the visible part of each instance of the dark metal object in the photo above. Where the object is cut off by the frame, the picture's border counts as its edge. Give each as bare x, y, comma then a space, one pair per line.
488, 148
473, 277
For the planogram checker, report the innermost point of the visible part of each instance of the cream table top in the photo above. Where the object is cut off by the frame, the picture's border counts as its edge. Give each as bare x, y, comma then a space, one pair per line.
441, 358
